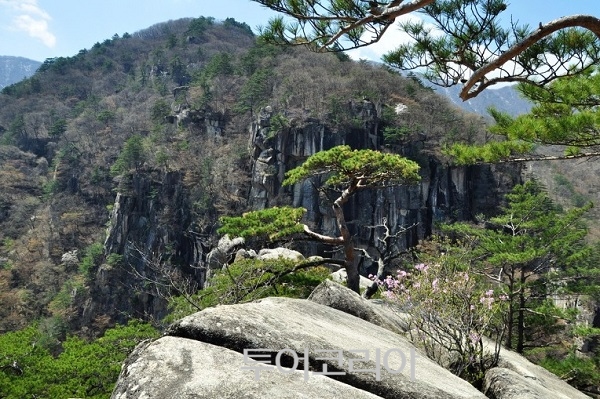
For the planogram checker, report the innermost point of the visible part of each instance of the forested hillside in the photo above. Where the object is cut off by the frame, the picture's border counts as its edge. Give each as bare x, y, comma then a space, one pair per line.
118, 163
173, 102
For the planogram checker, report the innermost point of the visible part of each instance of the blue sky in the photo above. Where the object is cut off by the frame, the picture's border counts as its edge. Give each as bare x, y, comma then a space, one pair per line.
40, 29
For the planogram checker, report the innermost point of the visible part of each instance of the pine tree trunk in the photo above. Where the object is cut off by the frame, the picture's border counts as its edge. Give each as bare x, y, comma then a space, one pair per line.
351, 269
521, 320
510, 322
509, 326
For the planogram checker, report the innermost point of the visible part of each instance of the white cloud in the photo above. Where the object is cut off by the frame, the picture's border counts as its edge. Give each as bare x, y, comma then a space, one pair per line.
27, 16
392, 38
37, 28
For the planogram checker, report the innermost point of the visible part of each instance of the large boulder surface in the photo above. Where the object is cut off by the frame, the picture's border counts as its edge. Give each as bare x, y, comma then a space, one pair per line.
340, 276
301, 325
334, 295
177, 368
202, 356
539, 380
501, 383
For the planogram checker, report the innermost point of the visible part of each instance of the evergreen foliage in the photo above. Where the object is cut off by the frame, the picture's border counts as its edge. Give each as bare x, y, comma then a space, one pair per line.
92, 255
532, 250
199, 25
255, 92
465, 45
565, 116
250, 279
132, 156
82, 369
345, 167
268, 224
58, 128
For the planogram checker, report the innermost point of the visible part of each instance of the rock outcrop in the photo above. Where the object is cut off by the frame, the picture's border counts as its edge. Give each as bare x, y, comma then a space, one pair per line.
282, 347
310, 330
334, 295
152, 213
148, 227
517, 374
175, 368
445, 193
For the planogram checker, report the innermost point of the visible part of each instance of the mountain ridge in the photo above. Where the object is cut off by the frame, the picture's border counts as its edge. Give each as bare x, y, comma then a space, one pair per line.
505, 99
14, 69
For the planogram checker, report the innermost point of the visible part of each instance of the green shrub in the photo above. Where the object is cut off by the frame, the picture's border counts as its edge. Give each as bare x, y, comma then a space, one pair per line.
83, 369
133, 155
580, 372
114, 259
93, 254
251, 279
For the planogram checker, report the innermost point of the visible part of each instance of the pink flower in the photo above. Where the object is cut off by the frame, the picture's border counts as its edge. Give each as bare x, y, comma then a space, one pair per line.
474, 337
389, 294
487, 301
422, 267
390, 282
434, 284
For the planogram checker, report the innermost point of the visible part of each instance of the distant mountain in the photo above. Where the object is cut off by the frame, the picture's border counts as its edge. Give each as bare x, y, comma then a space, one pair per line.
505, 99
15, 69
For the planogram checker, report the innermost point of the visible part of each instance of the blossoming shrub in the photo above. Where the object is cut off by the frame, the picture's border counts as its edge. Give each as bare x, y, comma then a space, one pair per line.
451, 314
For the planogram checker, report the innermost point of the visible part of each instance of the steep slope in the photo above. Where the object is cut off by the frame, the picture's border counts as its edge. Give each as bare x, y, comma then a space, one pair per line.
119, 161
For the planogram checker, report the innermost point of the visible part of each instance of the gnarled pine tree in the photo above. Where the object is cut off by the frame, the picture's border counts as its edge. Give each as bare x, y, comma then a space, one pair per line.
345, 169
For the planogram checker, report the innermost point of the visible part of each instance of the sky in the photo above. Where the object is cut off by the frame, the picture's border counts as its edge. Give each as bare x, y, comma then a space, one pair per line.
41, 29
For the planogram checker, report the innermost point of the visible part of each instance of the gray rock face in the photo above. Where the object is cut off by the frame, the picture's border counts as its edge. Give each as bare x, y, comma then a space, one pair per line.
334, 295
153, 216
300, 325
501, 383
275, 253
341, 277
137, 231
202, 356
176, 368
444, 193
545, 384
221, 254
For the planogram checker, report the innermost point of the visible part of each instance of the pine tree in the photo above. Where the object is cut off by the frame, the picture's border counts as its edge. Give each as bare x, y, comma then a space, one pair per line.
529, 249
465, 45
565, 116
346, 170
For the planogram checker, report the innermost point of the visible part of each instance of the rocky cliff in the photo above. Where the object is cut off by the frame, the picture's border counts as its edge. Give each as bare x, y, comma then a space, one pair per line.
193, 105
151, 223
446, 193
152, 215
